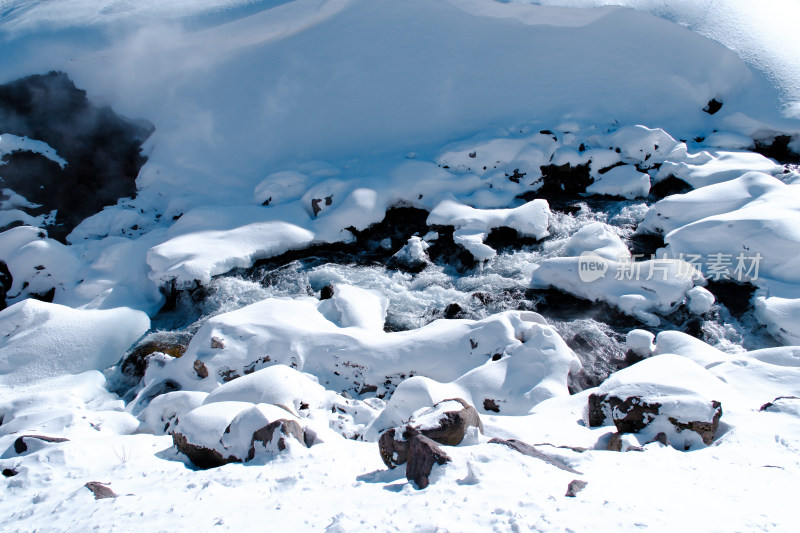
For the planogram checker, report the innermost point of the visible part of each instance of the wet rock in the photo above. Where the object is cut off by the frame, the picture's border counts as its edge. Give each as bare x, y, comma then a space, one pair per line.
134, 364
21, 445
100, 490
561, 180
574, 487
667, 187
713, 106
423, 454
526, 449
5, 283
101, 148
326, 293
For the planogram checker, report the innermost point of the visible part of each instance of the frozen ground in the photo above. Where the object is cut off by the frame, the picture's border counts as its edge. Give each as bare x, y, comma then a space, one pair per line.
580, 219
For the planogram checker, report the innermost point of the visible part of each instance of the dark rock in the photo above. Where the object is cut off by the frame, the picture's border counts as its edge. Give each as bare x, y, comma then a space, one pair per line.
660, 438
200, 456
767, 405
20, 446
423, 453
9, 472
200, 369
393, 452
217, 343
452, 311
560, 180
285, 428
777, 148
735, 296
526, 449
574, 487
713, 106
706, 429
5, 283
491, 405
102, 149
453, 425
326, 293
134, 363
100, 490
451, 428
633, 414
516, 176
667, 187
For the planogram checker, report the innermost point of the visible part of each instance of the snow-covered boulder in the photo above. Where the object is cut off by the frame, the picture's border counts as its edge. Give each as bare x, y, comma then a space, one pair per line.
218, 433
640, 289
708, 168
277, 385
663, 394
624, 181
473, 225
447, 422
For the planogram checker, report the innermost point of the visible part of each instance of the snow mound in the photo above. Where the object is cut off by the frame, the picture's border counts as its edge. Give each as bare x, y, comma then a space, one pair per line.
523, 375
40, 340
355, 307
277, 385
472, 225
624, 181
711, 167
639, 289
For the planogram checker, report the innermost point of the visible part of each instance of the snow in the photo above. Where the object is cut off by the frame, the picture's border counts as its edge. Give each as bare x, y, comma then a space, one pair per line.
12, 143
473, 225
41, 340
640, 289
284, 125
623, 181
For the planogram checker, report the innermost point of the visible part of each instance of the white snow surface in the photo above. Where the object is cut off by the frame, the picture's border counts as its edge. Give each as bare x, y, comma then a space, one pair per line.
281, 124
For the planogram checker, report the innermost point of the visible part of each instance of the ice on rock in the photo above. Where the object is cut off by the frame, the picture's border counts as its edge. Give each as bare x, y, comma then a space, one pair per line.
164, 411
683, 391
210, 241
759, 240
473, 225
624, 181
414, 253
40, 340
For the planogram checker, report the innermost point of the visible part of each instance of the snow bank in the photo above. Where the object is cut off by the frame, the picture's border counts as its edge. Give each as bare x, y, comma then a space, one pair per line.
40, 340
640, 289
680, 210
709, 168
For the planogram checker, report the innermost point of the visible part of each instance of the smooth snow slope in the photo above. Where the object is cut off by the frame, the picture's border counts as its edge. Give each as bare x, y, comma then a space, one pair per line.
333, 79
